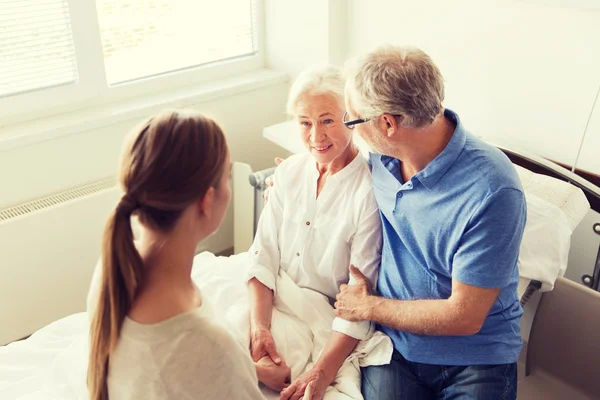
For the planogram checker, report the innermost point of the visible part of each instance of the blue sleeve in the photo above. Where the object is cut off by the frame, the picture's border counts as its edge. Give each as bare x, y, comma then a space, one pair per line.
489, 248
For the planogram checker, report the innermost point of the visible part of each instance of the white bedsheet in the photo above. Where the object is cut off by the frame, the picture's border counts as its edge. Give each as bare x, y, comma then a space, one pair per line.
52, 363
49, 365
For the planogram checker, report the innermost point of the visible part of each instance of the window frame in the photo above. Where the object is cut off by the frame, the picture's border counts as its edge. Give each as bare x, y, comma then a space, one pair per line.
91, 88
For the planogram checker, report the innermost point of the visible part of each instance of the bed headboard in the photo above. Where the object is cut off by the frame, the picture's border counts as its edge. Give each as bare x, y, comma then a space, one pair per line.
592, 192
543, 166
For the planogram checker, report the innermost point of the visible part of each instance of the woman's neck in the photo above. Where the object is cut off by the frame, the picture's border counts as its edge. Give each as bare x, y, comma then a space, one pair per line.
167, 289
335, 166
167, 258
340, 162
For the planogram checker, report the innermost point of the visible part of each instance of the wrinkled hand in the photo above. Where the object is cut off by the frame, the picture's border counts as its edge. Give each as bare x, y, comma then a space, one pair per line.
262, 344
277, 377
269, 182
309, 386
352, 302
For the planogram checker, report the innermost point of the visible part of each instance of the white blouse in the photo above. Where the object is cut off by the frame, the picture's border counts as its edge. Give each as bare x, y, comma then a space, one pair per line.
316, 239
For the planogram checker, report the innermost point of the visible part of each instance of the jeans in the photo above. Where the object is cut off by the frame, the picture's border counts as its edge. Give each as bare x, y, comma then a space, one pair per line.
402, 379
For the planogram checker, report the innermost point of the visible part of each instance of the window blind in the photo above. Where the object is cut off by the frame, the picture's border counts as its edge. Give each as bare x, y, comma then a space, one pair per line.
36, 46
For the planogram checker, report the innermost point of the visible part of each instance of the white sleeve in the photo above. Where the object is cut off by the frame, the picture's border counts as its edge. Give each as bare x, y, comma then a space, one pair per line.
365, 254
264, 254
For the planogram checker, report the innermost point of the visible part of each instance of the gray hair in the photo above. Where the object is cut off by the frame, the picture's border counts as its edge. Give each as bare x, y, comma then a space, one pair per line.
397, 80
314, 81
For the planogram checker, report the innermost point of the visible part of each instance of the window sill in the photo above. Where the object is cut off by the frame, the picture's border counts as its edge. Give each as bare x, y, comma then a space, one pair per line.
39, 130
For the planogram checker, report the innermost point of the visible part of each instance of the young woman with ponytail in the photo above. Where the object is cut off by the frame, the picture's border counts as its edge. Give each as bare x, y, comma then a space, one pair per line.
152, 334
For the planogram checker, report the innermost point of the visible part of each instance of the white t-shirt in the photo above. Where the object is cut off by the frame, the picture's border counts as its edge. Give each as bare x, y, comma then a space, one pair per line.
316, 239
189, 356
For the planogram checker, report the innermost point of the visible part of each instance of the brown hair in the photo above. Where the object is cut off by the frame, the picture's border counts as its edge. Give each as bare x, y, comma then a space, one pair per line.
168, 163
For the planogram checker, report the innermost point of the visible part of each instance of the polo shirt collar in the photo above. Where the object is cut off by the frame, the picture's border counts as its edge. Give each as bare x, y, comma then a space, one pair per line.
434, 171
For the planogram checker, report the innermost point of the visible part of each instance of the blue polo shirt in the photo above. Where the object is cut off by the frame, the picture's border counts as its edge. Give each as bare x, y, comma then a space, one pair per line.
462, 217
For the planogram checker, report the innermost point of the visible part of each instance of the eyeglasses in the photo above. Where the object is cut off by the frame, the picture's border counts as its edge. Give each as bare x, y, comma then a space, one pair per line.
350, 124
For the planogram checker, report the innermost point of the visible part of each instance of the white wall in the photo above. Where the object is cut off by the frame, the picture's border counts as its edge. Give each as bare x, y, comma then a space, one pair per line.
589, 158
51, 166
520, 73
300, 34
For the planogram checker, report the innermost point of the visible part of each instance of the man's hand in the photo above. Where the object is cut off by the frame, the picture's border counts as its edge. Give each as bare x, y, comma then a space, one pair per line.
353, 300
309, 386
262, 344
269, 182
277, 377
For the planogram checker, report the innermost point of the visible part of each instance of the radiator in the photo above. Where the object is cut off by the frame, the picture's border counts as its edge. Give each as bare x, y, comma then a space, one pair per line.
249, 189
258, 182
49, 248
48, 251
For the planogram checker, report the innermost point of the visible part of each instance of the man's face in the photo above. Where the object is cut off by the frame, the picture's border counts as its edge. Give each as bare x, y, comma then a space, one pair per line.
368, 131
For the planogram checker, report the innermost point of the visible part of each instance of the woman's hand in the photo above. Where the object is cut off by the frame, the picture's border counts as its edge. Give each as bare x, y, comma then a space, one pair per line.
309, 386
277, 377
262, 344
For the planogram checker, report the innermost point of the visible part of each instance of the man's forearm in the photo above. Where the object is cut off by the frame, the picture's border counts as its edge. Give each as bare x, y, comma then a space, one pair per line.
261, 304
423, 317
336, 351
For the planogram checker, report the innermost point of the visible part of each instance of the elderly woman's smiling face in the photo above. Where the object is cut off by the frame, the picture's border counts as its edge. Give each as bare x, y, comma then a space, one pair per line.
321, 128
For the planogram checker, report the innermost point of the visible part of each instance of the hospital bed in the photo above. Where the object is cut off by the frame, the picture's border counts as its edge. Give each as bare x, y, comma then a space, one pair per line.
563, 353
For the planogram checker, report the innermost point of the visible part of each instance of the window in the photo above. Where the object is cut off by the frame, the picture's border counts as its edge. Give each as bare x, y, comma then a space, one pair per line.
56, 55
36, 46
143, 38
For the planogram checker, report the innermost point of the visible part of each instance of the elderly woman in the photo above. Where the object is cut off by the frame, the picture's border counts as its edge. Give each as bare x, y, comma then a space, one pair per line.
318, 221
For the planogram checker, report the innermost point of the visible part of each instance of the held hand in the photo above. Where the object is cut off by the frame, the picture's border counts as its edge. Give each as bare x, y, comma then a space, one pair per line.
352, 302
309, 393
269, 182
262, 344
309, 386
277, 377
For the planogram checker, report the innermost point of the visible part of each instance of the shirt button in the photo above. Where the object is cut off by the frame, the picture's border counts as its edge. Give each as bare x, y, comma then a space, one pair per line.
298, 254
399, 194
256, 252
307, 223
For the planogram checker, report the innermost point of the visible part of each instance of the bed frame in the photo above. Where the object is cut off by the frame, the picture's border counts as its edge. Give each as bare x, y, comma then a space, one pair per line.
529, 161
592, 193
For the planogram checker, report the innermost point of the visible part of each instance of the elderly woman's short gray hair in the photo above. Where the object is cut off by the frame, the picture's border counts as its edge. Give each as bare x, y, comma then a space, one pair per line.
397, 80
315, 81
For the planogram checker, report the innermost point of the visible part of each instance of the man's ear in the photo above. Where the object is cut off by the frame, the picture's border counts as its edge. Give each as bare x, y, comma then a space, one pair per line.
205, 206
389, 124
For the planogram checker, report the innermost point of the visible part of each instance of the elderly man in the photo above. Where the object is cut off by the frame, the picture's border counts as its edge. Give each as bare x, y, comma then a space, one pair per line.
453, 213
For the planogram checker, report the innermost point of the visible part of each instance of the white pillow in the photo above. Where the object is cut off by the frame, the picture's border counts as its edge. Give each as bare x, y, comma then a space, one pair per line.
554, 209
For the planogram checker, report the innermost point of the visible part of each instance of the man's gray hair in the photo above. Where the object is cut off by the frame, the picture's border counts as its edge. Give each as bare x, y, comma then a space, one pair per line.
397, 80
316, 81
